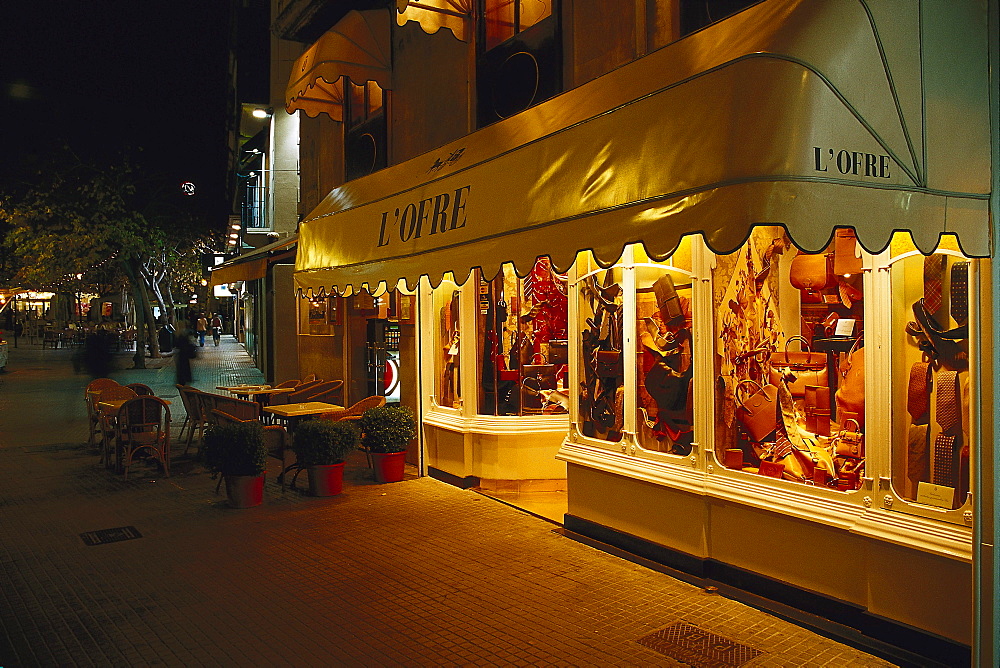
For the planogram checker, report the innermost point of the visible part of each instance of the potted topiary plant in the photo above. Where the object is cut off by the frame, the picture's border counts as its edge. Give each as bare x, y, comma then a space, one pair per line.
385, 433
236, 452
320, 448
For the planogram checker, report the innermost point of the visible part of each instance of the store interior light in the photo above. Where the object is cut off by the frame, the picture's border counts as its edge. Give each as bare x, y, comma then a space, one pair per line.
260, 113
236, 226
234, 235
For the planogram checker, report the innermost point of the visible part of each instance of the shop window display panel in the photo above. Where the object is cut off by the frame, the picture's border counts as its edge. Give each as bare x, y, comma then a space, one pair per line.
790, 360
447, 307
522, 342
602, 390
930, 373
664, 370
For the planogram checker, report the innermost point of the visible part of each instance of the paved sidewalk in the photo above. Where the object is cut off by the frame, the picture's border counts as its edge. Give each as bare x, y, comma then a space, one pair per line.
416, 573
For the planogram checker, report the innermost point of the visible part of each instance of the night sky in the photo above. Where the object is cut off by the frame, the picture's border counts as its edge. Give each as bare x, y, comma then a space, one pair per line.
102, 76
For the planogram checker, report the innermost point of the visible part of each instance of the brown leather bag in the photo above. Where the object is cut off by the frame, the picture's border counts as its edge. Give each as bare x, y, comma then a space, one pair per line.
809, 368
851, 393
850, 441
845, 259
810, 271
758, 412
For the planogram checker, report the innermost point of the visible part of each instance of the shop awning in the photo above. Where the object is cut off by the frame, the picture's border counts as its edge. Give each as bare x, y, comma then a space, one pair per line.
357, 47
253, 265
432, 15
805, 114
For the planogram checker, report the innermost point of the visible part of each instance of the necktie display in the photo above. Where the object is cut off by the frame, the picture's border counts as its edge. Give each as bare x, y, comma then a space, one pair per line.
960, 292
944, 469
933, 278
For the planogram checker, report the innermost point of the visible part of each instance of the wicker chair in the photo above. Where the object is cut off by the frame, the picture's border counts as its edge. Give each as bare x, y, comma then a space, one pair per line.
355, 412
109, 419
301, 393
142, 390
92, 395
144, 424
275, 439
294, 382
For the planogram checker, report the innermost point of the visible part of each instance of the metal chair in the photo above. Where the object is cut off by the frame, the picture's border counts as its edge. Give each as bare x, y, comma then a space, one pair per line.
144, 424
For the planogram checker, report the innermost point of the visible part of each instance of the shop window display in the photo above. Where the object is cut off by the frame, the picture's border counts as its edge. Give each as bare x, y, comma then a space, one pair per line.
447, 304
602, 390
790, 360
664, 401
930, 371
522, 343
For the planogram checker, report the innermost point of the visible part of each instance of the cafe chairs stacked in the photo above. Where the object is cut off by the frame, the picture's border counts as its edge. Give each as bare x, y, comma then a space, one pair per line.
311, 378
143, 425
91, 395
142, 390
289, 383
325, 392
109, 419
301, 393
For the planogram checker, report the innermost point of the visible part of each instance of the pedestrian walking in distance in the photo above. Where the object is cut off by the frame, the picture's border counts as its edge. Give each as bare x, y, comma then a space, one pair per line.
202, 329
216, 328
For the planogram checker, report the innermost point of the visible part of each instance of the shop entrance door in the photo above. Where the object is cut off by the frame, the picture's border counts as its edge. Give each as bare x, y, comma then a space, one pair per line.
383, 359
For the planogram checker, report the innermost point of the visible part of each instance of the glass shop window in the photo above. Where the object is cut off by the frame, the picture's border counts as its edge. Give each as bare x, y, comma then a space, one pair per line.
790, 360
506, 18
602, 389
446, 305
930, 373
522, 342
664, 371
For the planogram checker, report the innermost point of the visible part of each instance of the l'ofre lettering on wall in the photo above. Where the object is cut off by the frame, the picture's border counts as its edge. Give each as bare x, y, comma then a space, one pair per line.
433, 215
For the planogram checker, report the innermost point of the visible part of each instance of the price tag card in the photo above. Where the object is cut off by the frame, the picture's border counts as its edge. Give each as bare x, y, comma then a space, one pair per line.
845, 327
939, 496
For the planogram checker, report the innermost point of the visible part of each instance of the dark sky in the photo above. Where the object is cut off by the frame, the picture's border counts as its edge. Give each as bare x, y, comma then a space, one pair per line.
107, 75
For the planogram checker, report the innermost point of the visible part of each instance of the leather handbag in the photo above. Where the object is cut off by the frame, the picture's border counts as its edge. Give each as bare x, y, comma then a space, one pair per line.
817, 409
851, 393
850, 441
733, 459
845, 253
758, 412
609, 364
558, 351
810, 271
807, 367
545, 374
666, 298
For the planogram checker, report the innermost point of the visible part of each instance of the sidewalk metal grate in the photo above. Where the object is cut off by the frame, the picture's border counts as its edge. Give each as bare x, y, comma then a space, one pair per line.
102, 536
698, 648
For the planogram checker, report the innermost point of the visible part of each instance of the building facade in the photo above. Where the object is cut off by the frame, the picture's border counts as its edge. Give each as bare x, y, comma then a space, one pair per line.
719, 274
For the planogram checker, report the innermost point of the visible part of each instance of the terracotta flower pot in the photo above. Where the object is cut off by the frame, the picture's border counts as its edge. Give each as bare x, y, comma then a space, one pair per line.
245, 491
326, 480
388, 466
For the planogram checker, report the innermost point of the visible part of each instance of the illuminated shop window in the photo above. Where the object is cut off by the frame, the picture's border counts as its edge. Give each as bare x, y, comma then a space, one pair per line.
506, 18
930, 372
790, 360
522, 342
664, 370
447, 305
602, 389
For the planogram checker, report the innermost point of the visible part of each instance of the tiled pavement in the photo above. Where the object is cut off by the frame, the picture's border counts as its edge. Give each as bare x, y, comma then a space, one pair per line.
415, 573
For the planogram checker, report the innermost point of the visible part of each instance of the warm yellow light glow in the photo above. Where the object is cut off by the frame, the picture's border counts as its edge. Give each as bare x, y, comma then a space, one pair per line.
204, 282
236, 226
260, 113
234, 236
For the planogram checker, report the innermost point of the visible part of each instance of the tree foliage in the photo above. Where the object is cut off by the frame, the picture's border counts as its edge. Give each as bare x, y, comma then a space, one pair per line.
100, 228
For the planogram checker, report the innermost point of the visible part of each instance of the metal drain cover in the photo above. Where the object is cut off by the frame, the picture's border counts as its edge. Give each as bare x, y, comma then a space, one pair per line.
698, 648
102, 536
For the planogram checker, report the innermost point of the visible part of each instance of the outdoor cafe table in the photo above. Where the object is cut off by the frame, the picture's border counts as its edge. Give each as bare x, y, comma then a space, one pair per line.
254, 391
295, 412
